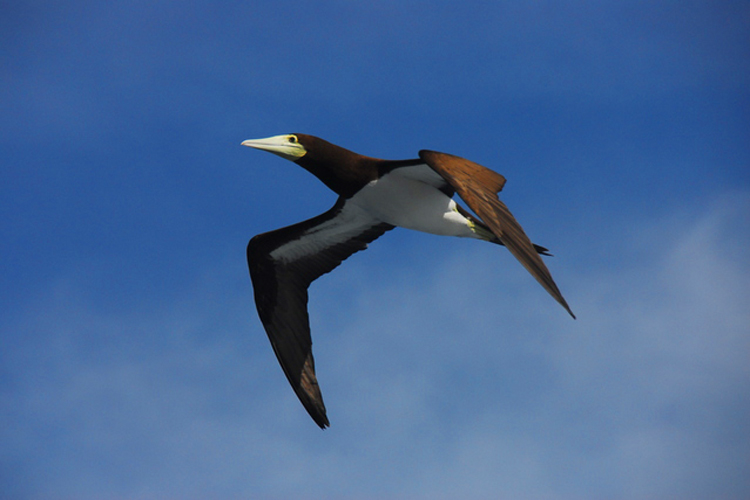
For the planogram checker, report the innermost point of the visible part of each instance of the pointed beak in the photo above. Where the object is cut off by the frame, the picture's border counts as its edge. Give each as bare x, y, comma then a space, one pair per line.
286, 146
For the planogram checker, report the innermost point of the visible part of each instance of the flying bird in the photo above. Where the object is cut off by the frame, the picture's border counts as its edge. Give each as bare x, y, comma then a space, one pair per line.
374, 196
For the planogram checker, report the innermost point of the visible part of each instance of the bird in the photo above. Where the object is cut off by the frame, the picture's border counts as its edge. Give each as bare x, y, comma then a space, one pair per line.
374, 196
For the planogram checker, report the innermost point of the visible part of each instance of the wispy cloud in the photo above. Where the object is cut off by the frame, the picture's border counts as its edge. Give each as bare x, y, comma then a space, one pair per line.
451, 382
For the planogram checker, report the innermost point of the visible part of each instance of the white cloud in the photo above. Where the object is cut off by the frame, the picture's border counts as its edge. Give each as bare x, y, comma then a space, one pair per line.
465, 380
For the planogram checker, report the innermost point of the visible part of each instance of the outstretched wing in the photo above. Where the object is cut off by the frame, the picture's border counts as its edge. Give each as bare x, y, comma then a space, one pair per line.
282, 265
478, 187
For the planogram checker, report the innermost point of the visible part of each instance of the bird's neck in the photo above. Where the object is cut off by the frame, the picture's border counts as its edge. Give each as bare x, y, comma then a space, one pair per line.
343, 171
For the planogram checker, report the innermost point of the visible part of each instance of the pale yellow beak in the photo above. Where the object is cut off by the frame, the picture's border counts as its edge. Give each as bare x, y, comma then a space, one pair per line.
286, 146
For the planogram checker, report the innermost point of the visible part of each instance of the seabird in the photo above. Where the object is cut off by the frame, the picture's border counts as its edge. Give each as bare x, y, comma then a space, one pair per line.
374, 196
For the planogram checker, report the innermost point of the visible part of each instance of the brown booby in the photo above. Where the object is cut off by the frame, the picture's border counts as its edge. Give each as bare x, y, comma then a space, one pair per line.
374, 197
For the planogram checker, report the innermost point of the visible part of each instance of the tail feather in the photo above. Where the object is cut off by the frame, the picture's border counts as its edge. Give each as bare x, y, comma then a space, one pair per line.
482, 229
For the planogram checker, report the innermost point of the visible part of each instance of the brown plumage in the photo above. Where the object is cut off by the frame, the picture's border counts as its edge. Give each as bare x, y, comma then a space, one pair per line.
374, 197
478, 187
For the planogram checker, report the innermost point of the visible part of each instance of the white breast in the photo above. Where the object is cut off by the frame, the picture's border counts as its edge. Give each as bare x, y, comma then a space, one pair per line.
405, 202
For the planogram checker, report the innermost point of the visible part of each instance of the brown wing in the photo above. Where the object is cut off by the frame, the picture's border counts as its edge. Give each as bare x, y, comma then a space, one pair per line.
282, 265
478, 187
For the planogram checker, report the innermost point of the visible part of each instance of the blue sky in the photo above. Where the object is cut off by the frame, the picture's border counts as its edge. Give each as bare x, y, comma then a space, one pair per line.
133, 364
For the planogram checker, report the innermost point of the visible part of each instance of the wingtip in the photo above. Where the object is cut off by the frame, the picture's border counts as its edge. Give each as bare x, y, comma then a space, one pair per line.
322, 420
567, 308
557, 295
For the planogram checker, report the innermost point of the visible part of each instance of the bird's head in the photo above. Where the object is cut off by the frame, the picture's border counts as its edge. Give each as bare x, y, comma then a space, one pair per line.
288, 146
341, 170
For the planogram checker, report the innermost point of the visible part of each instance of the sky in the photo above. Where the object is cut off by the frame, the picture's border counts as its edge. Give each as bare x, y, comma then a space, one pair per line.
132, 361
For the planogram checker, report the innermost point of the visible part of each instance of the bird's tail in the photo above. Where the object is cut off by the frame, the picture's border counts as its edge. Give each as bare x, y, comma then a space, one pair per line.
483, 232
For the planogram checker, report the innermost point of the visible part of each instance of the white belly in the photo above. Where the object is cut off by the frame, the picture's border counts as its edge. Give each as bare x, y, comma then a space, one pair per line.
412, 204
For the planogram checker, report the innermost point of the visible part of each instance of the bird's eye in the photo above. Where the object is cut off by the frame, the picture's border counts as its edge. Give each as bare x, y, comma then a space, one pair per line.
293, 139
